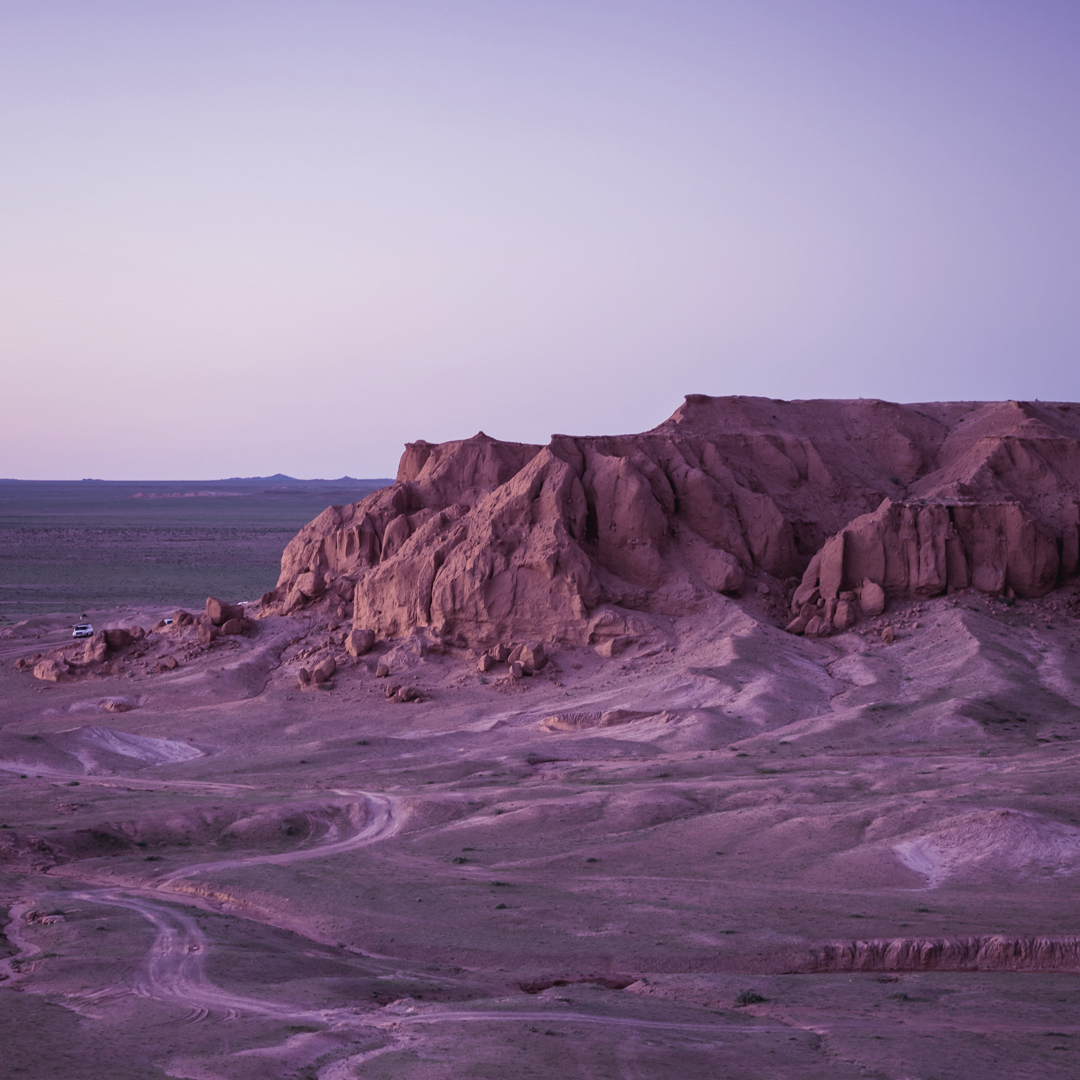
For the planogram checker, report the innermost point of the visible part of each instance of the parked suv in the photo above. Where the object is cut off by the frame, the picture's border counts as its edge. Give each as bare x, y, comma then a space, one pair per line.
84, 629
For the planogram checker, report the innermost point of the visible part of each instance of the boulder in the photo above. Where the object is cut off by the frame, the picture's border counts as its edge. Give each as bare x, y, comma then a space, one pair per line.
294, 599
311, 584
611, 647
118, 638
485, 663
50, 669
532, 655
324, 670
96, 649
208, 633
403, 693
219, 612
182, 618
360, 642
235, 627
871, 598
303, 677
846, 615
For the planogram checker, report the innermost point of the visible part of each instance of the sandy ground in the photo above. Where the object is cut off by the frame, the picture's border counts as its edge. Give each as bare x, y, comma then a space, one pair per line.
789, 858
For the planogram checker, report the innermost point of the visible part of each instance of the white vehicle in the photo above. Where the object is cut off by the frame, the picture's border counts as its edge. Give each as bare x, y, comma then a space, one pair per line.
83, 630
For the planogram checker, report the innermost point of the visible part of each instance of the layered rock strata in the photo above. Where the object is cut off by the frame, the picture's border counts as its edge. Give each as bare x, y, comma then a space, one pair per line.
597, 538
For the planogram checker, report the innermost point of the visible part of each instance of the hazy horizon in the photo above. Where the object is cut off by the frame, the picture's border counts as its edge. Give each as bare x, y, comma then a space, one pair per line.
243, 237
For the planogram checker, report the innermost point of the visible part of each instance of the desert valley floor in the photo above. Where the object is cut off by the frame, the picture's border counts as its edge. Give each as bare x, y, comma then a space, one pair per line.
737, 853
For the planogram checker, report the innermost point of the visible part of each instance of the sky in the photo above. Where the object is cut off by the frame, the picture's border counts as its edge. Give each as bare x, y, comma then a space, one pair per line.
242, 238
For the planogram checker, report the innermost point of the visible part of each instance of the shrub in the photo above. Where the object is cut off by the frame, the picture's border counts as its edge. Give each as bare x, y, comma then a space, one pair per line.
748, 997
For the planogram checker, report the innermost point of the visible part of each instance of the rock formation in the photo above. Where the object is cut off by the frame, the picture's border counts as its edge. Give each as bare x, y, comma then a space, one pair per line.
592, 539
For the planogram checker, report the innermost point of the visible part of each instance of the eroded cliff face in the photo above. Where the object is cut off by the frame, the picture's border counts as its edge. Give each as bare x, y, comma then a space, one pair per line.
487, 541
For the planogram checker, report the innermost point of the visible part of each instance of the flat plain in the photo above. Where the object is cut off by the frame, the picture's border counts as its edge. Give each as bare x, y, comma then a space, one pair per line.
75, 546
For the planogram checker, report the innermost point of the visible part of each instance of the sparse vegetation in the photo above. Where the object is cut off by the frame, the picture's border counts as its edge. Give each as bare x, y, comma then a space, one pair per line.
748, 997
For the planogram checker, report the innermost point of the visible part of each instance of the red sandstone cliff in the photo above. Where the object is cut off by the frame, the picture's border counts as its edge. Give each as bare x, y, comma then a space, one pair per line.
489, 541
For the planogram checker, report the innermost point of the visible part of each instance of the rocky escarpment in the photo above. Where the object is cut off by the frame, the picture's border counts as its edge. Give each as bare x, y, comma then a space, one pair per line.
591, 537
989, 952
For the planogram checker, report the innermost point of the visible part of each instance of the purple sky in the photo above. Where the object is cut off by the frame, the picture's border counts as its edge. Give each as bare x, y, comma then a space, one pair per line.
243, 238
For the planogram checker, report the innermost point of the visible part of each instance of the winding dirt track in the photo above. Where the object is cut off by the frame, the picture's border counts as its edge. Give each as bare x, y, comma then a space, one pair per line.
174, 971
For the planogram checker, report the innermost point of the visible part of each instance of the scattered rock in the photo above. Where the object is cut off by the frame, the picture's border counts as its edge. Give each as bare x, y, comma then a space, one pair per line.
888, 635
360, 642
485, 663
382, 670
303, 677
219, 612
324, 671
207, 633
403, 693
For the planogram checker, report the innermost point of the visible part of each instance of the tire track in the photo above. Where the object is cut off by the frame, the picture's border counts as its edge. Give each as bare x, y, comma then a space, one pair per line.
174, 970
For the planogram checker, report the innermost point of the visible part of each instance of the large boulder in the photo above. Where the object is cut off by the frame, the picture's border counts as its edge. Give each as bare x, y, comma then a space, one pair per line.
220, 612
117, 638
96, 649
359, 642
50, 669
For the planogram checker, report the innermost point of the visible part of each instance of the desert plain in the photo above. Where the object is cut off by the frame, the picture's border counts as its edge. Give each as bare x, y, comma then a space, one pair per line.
624, 757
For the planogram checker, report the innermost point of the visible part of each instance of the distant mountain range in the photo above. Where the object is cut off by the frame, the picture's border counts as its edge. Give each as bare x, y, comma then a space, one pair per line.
280, 480
277, 482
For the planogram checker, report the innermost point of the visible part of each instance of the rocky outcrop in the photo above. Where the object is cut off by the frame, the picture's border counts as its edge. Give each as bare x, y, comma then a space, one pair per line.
990, 952
999, 512
593, 539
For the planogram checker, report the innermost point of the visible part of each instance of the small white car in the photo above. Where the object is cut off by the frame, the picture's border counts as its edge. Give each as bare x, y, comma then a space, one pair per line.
83, 630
